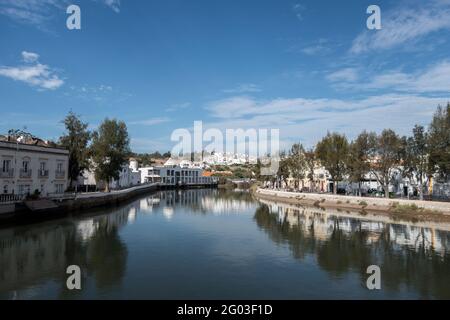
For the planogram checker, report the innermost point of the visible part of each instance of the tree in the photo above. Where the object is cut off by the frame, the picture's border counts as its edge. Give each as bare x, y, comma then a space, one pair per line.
283, 172
357, 162
76, 140
439, 142
310, 163
110, 150
415, 157
296, 163
384, 157
332, 151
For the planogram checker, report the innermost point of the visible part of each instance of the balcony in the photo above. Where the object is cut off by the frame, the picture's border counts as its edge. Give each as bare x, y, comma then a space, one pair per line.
60, 174
43, 173
25, 174
7, 174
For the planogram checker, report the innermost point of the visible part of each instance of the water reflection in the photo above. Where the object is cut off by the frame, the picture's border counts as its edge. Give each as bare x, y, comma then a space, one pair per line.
410, 257
31, 255
137, 250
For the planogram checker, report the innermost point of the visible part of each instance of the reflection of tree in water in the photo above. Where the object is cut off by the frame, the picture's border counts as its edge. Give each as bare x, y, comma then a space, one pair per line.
31, 255
419, 269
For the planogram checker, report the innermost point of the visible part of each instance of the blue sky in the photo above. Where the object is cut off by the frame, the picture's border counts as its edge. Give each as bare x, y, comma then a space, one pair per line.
305, 67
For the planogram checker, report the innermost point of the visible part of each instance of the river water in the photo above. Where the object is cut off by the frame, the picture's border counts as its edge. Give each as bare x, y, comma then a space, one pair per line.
212, 244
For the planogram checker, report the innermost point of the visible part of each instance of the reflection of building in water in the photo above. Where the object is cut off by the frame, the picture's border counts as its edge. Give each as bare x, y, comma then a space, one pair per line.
321, 225
204, 200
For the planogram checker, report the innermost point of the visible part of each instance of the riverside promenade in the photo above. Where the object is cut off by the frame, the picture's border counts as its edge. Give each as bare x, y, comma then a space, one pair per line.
68, 203
356, 203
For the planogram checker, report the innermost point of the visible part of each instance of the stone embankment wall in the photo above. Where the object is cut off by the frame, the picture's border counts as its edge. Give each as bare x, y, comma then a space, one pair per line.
349, 202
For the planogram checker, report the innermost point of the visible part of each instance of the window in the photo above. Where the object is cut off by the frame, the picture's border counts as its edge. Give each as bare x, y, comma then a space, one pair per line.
6, 165
5, 189
59, 188
59, 167
42, 166
25, 165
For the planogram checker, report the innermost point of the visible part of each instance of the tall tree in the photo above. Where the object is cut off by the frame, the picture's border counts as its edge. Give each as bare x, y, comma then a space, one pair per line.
439, 142
310, 165
384, 157
283, 172
76, 140
296, 163
110, 150
416, 156
332, 151
357, 162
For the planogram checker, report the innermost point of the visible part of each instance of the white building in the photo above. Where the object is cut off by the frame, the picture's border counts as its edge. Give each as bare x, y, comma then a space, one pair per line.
129, 176
176, 173
27, 168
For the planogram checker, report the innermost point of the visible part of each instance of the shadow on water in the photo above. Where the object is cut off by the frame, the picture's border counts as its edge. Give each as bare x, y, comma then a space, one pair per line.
409, 257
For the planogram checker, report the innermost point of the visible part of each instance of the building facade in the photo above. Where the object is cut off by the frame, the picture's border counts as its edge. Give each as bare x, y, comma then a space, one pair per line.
27, 169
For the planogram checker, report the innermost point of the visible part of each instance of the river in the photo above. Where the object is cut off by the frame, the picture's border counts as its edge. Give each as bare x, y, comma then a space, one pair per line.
214, 244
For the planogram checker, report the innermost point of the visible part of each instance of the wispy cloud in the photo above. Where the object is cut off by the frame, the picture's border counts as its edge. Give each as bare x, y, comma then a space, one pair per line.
113, 4
33, 73
407, 24
150, 122
244, 88
298, 10
432, 79
319, 47
178, 106
309, 119
40, 12
346, 74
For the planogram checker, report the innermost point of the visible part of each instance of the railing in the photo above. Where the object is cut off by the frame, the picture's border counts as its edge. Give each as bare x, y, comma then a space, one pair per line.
7, 174
11, 198
43, 173
60, 174
24, 174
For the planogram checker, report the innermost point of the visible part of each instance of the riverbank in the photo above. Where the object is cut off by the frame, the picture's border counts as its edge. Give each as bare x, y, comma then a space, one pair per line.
56, 207
411, 210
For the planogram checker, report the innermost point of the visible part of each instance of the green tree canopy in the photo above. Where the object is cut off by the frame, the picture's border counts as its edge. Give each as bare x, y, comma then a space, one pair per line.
332, 152
76, 140
110, 150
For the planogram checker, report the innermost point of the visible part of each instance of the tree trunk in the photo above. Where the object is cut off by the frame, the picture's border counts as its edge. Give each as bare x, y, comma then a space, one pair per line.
107, 186
421, 189
335, 187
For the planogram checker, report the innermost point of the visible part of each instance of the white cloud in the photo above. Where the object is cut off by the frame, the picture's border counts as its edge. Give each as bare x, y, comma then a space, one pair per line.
433, 79
403, 25
243, 88
37, 75
298, 10
319, 47
150, 122
113, 4
30, 56
310, 119
347, 74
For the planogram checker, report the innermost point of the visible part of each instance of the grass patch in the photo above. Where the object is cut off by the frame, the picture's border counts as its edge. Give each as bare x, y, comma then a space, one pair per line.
413, 212
339, 202
323, 200
363, 203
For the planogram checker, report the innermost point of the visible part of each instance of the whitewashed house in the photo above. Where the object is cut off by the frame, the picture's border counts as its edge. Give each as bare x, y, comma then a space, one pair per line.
29, 165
